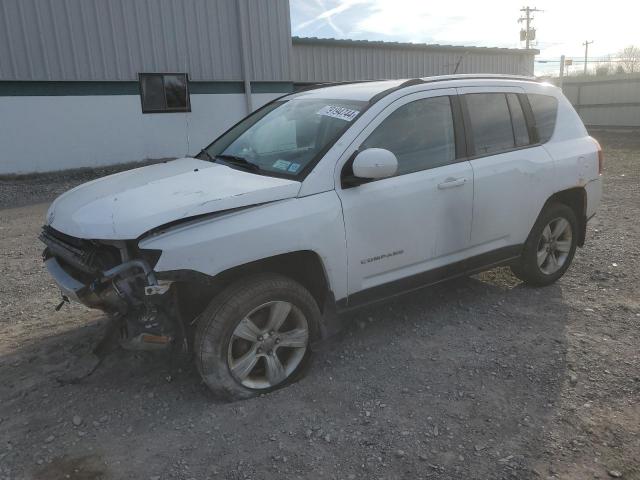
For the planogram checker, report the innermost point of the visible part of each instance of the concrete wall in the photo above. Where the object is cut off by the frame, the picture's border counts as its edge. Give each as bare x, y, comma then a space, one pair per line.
608, 101
46, 133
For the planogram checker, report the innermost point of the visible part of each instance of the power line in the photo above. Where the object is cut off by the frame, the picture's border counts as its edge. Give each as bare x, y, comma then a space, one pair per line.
604, 60
528, 33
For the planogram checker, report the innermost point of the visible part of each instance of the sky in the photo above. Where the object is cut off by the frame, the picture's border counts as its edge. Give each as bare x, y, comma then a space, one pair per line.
562, 27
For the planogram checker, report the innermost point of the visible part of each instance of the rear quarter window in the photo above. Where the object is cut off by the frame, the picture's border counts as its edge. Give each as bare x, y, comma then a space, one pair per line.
545, 112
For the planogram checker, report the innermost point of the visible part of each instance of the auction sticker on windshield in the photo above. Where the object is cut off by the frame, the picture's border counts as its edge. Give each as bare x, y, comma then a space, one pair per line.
342, 113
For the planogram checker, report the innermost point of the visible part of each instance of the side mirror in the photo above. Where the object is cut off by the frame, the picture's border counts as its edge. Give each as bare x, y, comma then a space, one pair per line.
374, 164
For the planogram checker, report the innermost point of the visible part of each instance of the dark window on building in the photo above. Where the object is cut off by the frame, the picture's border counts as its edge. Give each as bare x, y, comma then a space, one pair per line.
419, 133
164, 92
545, 111
490, 122
520, 132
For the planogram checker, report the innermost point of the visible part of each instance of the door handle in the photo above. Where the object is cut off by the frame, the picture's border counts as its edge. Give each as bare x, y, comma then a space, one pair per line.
452, 182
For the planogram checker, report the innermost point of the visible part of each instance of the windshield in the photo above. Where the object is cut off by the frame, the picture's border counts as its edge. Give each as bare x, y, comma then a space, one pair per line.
285, 136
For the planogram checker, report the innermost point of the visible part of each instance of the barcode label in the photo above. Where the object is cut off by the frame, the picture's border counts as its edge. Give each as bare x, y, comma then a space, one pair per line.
342, 113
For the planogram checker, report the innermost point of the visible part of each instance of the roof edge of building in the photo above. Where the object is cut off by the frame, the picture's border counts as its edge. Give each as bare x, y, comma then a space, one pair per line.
403, 45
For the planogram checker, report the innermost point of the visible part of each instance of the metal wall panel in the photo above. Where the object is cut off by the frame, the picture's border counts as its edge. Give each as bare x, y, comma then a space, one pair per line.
609, 101
612, 116
115, 39
316, 60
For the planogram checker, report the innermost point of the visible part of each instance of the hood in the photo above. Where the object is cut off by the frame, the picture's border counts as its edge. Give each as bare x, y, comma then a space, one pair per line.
126, 205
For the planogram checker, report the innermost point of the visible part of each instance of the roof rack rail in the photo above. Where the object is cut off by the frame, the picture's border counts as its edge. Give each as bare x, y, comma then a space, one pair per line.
417, 81
315, 86
478, 76
441, 78
407, 83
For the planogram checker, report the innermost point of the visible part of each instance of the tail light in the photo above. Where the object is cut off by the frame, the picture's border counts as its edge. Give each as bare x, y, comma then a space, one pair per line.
600, 157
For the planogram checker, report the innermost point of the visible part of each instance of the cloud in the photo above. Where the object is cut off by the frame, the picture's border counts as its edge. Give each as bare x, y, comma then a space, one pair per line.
326, 15
561, 28
465, 22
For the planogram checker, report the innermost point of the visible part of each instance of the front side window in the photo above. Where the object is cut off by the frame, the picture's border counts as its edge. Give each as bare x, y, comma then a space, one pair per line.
490, 122
161, 92
545, 111
286, 136
420, 134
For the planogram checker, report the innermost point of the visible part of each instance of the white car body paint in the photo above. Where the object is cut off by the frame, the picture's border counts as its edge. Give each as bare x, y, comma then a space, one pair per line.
214, 245
510, 189
126, 205
357, 231
431, 223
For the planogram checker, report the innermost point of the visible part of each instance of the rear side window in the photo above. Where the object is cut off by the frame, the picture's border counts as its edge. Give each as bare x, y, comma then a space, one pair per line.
490, 122
420, 134
545, 111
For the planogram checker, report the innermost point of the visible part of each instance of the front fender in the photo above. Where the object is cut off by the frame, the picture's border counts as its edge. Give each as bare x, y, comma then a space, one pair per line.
213, 245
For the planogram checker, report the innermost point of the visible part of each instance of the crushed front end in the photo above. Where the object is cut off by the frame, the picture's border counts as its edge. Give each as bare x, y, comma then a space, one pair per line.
117, 278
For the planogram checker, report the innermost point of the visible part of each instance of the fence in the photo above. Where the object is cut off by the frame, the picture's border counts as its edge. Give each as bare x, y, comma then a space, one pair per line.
608, 101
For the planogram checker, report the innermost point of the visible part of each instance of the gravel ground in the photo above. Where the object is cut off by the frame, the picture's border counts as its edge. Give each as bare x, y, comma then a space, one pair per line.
20, 190
479, 378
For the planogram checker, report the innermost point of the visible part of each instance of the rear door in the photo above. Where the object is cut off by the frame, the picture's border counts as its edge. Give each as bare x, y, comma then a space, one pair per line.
513, 173
415, 221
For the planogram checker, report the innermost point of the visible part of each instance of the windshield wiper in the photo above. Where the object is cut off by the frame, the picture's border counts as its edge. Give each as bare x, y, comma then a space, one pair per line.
238, 161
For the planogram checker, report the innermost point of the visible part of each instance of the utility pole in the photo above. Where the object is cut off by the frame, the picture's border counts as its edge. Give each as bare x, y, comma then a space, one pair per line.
561, 77
586, 53
528, 33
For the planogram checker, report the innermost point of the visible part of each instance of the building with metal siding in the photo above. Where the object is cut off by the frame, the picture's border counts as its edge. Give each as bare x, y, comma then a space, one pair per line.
69, 73
329, 60
113, 40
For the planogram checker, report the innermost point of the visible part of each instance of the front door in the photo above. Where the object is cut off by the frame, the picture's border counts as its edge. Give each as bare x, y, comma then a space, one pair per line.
419, 219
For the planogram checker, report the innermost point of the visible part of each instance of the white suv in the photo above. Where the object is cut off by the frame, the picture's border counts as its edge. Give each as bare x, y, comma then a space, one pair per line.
322, 201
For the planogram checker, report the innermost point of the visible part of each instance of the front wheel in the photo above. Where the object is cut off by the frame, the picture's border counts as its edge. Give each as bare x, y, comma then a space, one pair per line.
550, 248
255, 336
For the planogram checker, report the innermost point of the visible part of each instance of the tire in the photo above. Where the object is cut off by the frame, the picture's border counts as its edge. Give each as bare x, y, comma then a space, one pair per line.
553, 239
241, 351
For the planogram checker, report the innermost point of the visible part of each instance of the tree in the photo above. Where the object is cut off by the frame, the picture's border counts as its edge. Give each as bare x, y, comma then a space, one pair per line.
630, 59
604, 67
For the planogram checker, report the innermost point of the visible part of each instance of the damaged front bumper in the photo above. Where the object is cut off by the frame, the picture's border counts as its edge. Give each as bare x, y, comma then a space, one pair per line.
71, 288
100, 293
105, 277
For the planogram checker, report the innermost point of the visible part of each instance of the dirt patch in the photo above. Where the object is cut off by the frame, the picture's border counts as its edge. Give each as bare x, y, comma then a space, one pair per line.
476, 378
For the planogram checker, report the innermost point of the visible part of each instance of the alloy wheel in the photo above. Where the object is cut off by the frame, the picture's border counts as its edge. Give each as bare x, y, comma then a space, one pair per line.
268, 344
554, 246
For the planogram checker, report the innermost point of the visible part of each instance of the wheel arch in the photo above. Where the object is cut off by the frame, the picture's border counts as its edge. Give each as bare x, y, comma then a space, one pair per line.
576, 199
303, 266
306, 267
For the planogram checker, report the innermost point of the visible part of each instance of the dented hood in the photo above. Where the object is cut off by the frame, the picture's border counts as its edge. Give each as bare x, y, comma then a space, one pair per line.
126, 205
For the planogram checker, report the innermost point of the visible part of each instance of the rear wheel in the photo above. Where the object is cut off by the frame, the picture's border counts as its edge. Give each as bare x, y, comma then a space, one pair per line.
254, 337
550, 247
